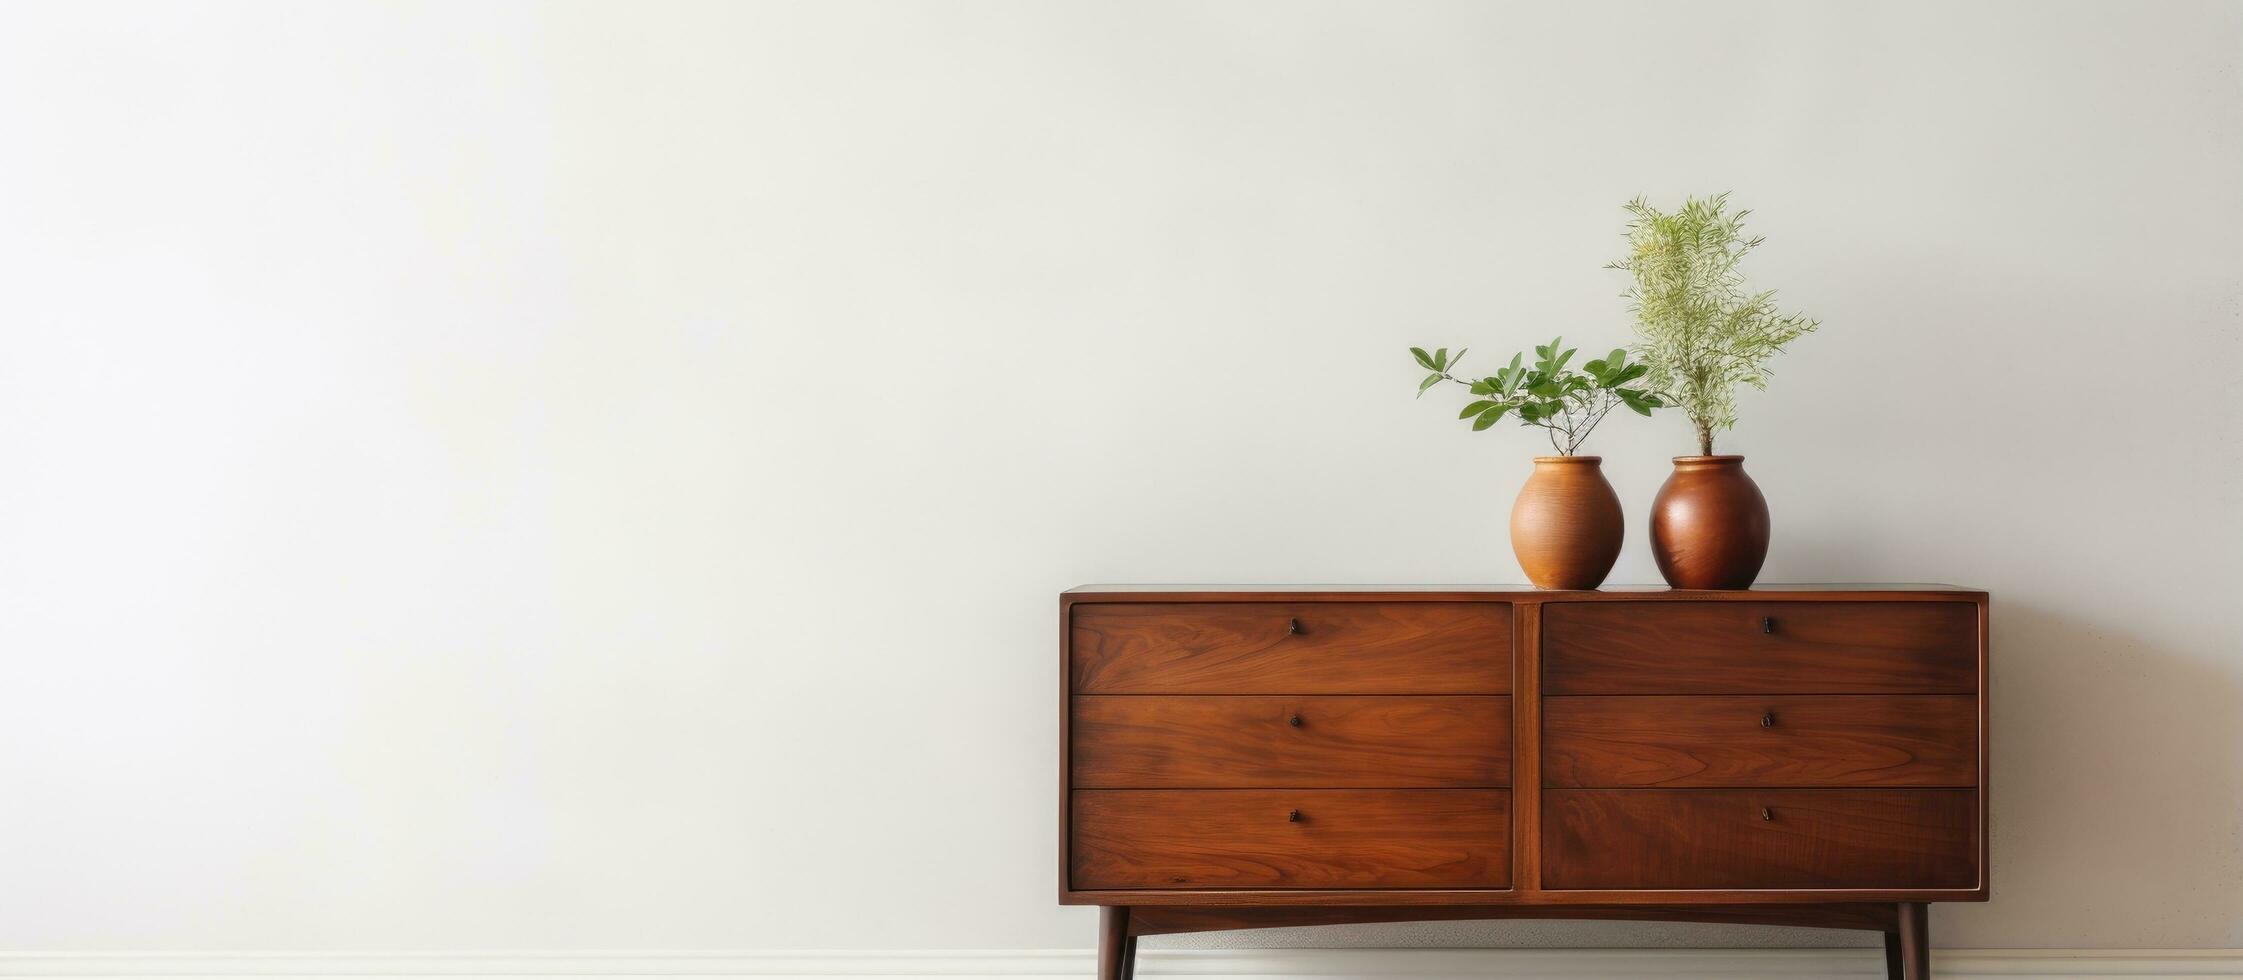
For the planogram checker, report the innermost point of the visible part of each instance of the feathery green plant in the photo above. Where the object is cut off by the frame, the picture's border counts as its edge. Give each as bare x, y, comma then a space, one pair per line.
1701, 333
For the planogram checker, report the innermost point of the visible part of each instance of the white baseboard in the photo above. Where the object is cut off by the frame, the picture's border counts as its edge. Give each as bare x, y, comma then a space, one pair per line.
1478, 964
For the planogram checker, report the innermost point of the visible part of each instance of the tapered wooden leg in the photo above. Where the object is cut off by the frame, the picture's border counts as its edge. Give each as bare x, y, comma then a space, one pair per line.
1892, 956
1129, 959
1113, 942
1915, 942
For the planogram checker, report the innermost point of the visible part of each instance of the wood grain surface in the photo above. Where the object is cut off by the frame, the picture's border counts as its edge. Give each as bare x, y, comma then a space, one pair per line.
1304, 741
1291, 839
1748, 647
1291, 648
1709, 524
1634, 713
1760, 740
1759, 839
1566, 525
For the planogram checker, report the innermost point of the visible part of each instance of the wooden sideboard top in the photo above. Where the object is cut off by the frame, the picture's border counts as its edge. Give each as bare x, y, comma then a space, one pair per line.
1768, 590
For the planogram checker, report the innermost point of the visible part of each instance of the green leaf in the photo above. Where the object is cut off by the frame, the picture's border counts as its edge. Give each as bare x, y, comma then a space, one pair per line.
1562, 358
1430, 381
1530, 411
1482, 388
1640, 402
1475, 408
1543, 389
1608, 368
1489, 417
1630, 373
1441, 359
1424, 359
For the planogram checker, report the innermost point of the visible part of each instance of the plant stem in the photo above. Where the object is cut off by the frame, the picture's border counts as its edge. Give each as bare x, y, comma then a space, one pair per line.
1583, 411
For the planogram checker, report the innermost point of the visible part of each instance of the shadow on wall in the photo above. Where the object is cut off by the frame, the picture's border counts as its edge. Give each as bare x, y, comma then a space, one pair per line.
2117, 771
2117, 764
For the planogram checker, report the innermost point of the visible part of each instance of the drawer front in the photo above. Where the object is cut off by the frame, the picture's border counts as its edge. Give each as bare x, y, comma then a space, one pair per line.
1759, 839
1291, 648
1760, 648
1827, 740
1212, 838
1177, 742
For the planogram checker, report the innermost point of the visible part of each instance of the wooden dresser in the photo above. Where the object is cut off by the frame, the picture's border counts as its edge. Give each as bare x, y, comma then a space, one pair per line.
1792, 755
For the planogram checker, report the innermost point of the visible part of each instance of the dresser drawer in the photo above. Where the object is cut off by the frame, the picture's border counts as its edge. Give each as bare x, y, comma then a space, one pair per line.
1291, 839
1760, 648
1290, 648
1761, 740
1759, 839
1162, 741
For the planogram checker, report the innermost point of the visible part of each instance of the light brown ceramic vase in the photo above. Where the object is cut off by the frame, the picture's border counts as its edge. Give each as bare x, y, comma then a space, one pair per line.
1566, 526
1709, 524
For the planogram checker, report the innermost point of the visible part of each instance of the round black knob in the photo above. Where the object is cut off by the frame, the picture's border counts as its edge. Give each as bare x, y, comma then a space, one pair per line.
1293, 816
1292, 626
1767, 624
1768, 720
1767, 814
1293, 720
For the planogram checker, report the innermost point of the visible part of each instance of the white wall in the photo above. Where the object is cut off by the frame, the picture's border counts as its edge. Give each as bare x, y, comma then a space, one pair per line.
598, 476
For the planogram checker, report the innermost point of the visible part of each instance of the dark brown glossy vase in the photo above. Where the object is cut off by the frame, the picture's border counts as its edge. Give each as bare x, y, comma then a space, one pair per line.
1709, 525
1566, 526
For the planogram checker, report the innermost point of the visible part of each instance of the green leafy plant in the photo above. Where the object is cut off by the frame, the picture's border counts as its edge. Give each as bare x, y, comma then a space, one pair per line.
1567, 403
1700, 331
